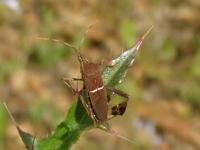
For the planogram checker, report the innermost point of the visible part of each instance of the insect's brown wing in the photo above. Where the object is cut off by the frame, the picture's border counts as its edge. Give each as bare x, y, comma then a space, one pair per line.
99, 103
97, 91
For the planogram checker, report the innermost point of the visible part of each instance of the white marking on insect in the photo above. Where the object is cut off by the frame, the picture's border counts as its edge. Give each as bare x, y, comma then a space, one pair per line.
97, 89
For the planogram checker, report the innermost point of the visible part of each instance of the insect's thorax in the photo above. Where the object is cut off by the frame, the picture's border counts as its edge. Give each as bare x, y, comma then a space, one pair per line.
91, 69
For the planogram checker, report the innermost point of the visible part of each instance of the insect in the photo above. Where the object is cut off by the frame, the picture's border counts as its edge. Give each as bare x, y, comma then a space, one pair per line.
97, 101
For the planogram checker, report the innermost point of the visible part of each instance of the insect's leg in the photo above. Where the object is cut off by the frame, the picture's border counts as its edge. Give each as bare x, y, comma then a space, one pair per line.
68, 81
89, 110
85, 105
73, 79
120, 108
93, 117
118, 92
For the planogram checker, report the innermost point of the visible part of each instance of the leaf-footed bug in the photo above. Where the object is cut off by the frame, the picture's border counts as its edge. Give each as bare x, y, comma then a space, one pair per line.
97, 103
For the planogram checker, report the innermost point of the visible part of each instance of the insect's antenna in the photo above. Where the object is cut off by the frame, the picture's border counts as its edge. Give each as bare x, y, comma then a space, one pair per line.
58, 41
86, 32
80, 57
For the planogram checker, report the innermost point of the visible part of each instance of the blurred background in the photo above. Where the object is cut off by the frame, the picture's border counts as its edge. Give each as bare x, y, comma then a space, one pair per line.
164, 82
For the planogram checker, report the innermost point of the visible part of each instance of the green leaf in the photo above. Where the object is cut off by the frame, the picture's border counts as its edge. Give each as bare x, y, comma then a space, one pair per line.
114, 74
77, 119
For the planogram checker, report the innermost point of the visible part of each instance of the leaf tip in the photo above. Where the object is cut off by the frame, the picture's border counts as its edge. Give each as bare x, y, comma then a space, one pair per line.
140, 41
27, 138
147, 32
